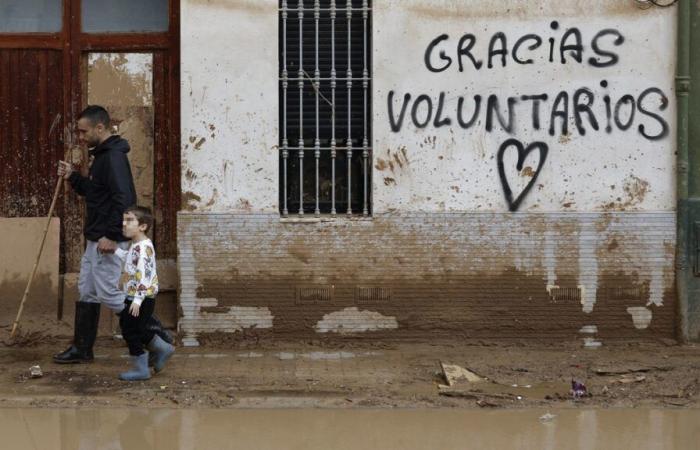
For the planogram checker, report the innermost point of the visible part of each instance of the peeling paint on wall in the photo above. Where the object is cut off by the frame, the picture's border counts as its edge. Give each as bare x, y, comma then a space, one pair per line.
588, 329
451, 272
550, 249
588, 266
237, 318
352, 320
656, 283
641, 316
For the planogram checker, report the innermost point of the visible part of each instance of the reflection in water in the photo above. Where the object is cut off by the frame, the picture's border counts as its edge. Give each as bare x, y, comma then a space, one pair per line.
117, 429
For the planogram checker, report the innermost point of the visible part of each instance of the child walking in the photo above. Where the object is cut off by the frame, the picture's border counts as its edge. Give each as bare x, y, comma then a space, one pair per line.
140, 287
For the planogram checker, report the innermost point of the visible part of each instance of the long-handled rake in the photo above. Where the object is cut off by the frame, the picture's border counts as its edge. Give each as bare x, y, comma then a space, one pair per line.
59, 183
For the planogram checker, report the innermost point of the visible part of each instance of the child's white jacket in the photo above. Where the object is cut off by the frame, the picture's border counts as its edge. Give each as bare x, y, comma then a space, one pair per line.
140, 268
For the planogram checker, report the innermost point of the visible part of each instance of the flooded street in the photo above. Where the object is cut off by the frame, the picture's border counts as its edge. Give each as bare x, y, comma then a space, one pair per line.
309, 429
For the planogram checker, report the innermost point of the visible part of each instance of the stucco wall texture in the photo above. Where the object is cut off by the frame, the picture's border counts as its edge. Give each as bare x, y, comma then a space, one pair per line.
523, 177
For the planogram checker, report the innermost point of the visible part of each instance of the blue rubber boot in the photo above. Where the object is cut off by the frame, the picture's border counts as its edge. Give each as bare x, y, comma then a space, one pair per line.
140, 369
161, 352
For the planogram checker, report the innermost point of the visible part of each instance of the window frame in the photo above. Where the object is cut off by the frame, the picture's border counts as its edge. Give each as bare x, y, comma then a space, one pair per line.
351, 83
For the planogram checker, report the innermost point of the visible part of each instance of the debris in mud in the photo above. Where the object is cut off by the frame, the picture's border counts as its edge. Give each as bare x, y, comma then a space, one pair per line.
668, 342
547, 417
454, 374
592, 343
35, 372
486, 404
24, 339
619, 370
677, 401
464, 383
578, 390
627, 379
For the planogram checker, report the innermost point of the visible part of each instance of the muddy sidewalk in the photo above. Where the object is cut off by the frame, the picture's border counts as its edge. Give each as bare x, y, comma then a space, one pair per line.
360, 374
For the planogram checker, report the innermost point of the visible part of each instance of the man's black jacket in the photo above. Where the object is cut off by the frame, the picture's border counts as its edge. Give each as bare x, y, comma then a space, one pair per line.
108, 189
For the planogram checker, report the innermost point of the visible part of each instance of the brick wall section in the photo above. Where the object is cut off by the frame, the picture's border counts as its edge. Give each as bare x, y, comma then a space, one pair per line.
474, 275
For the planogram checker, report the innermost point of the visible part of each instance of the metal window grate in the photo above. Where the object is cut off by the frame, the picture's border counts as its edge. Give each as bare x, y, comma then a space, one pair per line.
325, 78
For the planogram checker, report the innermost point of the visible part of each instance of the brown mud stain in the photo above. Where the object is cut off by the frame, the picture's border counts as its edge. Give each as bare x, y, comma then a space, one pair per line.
199, 143
389, 181
244, 204
393, 160
301, 253
187, 200
431, 294
636, 190
616, 292
213, 198
527, 172
510, 304
40, 309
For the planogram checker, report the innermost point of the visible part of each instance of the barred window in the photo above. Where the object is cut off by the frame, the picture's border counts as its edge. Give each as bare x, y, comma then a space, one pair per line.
325, 127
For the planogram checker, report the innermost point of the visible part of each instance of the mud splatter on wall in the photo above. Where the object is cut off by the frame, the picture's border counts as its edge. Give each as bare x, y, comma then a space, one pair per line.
230, 105
527, 106
584, 241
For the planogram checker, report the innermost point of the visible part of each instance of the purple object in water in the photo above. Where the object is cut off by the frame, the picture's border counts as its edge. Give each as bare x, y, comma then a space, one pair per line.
578, 389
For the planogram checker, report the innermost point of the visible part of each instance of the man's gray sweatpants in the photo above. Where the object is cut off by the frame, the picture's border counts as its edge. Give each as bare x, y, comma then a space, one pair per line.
99, 277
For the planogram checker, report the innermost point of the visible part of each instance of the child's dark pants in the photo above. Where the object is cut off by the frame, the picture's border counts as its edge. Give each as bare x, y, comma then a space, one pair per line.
134, 329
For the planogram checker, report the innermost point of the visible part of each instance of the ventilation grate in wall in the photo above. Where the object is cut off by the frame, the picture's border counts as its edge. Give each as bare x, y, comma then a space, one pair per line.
370, 295
311, 295
565, 294
624, 293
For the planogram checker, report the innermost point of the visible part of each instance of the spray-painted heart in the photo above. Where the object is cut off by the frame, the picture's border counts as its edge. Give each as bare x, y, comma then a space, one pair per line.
523, 153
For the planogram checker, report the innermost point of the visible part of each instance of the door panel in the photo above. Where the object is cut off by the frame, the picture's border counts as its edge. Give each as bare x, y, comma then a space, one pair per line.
123, 84
31, 129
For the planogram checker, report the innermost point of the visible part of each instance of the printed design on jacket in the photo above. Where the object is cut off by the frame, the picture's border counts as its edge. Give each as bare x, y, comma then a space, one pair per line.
140, 270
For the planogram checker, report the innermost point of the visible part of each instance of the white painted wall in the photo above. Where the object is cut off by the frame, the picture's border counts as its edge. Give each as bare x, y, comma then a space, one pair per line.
230, 107
452, 169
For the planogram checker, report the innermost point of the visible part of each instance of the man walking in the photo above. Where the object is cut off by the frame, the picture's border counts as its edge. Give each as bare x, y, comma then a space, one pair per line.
108, 191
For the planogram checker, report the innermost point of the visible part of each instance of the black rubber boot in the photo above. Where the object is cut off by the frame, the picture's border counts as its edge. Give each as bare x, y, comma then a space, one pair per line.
87, 317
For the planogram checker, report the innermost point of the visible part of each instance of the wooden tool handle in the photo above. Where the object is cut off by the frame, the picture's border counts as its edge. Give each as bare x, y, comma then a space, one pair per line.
38, 257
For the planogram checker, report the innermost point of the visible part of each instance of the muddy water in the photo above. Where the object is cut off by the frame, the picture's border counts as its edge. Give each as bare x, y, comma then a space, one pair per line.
347, 429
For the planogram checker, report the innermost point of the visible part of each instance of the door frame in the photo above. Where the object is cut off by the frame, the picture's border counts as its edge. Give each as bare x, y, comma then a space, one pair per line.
165, 47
